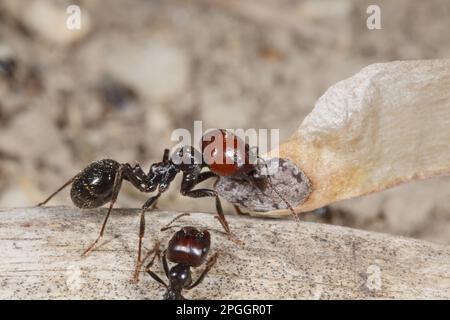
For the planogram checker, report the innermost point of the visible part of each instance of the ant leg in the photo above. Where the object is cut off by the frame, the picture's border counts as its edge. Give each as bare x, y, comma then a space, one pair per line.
148, 204
156, 277
168, 226
165, 264
201, 193
239, 211
186, 190
156, 253
115, 193
221, 217
151, 273
209, 265
56, 192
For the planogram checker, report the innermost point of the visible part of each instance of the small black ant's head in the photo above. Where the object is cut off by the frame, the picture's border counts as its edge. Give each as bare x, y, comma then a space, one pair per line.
188, 159
179, 277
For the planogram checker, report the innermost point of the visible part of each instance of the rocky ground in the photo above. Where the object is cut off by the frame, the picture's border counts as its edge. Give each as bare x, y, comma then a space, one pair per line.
138, 70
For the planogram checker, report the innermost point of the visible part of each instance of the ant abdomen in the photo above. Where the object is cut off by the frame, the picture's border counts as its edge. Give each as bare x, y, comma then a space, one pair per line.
93, 187
189, 246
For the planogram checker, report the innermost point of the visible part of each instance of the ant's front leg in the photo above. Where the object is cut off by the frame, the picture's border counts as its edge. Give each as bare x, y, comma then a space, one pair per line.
157, 253
211, 262
186, 190
203, 193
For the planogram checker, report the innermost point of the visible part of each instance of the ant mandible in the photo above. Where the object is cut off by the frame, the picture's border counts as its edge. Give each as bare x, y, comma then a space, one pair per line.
188, 249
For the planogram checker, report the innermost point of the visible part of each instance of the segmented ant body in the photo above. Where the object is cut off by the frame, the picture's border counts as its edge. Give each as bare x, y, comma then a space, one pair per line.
188, 248
100, 182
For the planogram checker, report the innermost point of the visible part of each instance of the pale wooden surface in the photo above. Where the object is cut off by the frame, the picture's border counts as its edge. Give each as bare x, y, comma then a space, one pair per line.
40, 258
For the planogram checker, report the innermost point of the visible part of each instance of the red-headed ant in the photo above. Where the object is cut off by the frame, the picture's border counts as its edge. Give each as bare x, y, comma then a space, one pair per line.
227, 155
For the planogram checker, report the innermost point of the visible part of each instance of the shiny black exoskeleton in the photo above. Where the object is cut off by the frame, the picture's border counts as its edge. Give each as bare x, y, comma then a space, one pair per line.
93, 188
188, 249
100, 182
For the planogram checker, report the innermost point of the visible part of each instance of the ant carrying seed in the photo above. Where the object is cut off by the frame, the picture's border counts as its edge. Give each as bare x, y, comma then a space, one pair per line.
228, 156
100, 182
188, 249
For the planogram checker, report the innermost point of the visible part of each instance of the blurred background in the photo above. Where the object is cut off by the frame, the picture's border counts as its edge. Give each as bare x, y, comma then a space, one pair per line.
137, 70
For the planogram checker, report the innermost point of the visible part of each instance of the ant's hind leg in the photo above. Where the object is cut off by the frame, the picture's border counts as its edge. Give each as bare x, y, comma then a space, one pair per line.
56, 192
115, 192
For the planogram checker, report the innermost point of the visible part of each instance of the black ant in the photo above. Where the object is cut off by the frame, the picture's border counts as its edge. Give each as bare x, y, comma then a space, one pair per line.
100, 182
188, 249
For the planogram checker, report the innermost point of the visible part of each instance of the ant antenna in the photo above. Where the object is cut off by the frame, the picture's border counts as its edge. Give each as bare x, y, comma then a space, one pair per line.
169, 225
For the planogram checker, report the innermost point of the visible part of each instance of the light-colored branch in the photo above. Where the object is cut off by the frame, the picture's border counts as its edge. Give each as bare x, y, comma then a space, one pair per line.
41, 247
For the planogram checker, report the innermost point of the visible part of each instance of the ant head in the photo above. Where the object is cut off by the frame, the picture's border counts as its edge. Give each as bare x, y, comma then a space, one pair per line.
180, 276
187, 158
